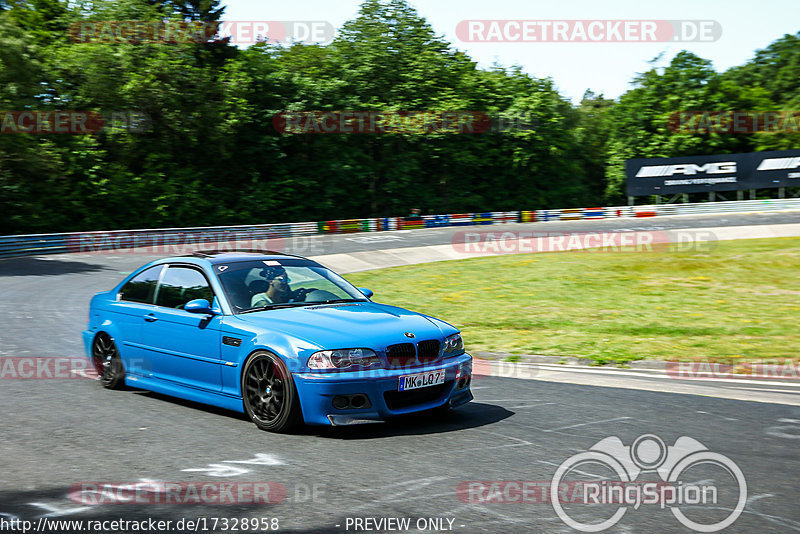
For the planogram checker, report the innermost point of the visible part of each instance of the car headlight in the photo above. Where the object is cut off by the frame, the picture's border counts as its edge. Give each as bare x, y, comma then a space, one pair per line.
342, 359
454, 344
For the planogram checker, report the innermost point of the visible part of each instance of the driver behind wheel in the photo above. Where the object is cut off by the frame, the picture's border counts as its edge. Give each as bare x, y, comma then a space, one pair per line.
278, 290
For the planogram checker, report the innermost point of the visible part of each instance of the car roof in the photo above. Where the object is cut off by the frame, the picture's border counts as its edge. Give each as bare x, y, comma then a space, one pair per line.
227, 256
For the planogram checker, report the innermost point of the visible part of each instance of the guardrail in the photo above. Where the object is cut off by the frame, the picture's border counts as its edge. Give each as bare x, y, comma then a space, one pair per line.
208, 237
39, 244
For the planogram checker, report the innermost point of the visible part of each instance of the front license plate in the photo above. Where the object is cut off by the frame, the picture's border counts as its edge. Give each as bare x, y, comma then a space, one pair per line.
421, 380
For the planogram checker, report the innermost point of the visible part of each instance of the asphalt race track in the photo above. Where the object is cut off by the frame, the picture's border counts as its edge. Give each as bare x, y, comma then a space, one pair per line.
461, 474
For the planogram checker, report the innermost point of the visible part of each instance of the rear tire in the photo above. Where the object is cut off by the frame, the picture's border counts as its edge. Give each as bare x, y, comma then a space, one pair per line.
107, 362
269, 394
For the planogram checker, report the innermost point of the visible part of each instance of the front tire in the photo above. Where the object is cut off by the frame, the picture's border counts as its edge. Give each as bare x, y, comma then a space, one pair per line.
269, 394
107, 362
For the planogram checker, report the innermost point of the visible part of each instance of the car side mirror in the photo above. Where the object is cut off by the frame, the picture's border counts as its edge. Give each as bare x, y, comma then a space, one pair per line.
200, 306
367, 292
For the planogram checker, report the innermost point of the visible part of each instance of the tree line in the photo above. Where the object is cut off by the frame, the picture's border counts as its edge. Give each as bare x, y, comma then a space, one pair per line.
189, 134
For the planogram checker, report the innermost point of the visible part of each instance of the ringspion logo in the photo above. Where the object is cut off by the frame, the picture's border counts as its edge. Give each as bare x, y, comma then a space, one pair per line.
674, 465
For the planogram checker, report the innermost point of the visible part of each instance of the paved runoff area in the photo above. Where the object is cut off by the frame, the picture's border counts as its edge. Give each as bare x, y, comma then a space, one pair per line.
544, 447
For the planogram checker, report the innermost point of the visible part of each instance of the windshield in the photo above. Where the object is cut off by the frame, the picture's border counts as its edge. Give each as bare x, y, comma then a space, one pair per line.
265, 284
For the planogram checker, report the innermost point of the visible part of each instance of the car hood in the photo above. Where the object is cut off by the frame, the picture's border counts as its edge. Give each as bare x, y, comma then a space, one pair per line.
349, 325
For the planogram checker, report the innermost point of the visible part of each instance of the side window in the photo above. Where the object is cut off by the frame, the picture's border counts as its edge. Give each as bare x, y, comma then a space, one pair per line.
142, 287
182, 284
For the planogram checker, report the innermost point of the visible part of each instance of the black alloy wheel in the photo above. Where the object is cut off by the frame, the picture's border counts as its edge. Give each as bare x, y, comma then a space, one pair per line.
269, 394
107, 362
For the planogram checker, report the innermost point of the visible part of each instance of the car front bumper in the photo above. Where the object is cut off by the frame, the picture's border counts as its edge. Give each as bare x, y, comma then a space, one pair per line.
317, 392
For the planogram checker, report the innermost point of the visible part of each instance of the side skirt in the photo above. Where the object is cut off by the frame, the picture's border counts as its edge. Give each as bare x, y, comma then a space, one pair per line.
187, 393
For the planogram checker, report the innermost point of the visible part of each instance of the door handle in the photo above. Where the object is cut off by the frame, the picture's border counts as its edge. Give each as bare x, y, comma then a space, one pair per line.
150, 318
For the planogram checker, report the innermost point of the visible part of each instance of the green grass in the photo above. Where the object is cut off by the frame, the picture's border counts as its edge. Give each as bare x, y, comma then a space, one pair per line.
737, 302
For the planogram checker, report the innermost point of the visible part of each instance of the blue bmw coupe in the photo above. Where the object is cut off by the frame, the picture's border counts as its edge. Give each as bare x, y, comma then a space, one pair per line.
278, 337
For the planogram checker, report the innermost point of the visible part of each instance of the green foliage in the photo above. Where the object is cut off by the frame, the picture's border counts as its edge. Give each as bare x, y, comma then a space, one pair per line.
642, 122
209, 153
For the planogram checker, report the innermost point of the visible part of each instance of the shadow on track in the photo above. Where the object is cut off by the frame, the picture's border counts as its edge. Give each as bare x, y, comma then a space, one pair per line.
187, 403
44, 267
471, 415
